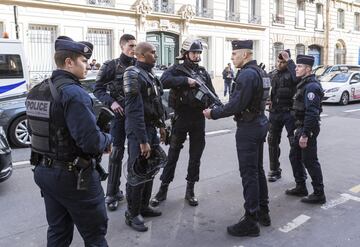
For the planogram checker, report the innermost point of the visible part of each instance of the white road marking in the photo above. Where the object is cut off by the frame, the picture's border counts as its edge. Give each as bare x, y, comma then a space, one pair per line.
335, 202
21, 163
351, 197
353, 110
301, 219
217, 132
324, 115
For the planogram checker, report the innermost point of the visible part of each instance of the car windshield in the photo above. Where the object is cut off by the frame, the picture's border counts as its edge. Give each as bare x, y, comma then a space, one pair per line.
320, 71
339, 78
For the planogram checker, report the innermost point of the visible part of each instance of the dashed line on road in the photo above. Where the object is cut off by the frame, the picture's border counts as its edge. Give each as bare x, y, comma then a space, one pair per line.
301, 219
324, 115
355, 189
342, 199
351, 197
217, 132
352, 110
21, 163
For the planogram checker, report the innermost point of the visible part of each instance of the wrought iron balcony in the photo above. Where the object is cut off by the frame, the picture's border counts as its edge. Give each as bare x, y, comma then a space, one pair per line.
206, 13
164, 7
279, 19
232, 16
255, 19
102, 3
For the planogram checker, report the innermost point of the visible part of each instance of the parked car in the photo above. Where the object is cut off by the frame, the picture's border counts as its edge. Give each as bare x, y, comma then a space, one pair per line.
5, 157
13, 113
341, 87
323, 70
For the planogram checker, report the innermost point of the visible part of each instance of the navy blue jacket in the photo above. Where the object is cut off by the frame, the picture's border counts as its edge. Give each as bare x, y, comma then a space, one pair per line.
246, 83
79, 115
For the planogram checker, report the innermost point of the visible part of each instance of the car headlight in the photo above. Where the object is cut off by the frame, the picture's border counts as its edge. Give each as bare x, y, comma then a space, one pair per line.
332, 90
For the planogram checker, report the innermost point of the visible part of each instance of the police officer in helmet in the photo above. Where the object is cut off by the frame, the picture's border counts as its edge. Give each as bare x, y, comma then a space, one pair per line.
144, 113
109, 90
307, 109
283, 88
247, 104
188, 117
65, 142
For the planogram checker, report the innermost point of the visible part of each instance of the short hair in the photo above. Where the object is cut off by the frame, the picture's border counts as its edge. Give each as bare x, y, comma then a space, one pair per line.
60, 57
126, 38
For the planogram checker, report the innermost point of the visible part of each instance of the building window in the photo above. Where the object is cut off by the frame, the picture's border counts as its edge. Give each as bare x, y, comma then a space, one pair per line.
300, 16
41, 49
299, 49
104, 3
163, 6
278, 47
102, 40
319, 16
315, 51
231, 13
203, 10
1, 28
254, 15
340, 19
340, 52
357, 21
278, 17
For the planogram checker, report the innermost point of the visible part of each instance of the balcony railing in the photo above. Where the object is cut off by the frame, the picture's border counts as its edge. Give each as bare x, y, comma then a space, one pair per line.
102, 3
206, 13
232, 16
168, 8
279, 19
255, 19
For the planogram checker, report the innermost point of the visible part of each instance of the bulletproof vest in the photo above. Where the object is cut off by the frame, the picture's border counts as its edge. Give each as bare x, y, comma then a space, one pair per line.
283, 90
189, 96
258, 102
116, 86
49, 134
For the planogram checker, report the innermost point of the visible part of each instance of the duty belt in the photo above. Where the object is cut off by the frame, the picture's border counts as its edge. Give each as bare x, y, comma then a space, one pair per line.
51, 163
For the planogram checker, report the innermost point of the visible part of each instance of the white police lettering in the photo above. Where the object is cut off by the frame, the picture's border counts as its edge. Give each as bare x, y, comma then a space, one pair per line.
38, 108
311, 96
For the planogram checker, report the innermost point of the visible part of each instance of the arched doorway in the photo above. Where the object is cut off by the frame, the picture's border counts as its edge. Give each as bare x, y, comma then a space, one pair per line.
167, 47
315, 51
340, 52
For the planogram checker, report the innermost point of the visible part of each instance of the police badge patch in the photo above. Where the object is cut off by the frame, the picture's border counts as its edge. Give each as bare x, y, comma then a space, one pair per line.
311, 96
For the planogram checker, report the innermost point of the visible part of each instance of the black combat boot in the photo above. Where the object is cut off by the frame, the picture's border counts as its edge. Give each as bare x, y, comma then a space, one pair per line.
150, 212
137, 222
300, 190
264, 216
112, 202
160, 196
247, 226
273, 176
190, 196
318, 197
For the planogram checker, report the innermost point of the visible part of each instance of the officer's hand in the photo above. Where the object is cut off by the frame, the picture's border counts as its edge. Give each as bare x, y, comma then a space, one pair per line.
108, 149
303, 141
192, 82
162, 135
117, 108
207, 113
285, 55
145, 150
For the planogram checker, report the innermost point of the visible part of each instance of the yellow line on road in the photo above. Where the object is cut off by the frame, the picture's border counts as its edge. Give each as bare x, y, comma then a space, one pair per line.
355, 189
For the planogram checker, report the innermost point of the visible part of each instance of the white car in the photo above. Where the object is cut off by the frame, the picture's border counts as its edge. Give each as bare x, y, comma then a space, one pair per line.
341, 87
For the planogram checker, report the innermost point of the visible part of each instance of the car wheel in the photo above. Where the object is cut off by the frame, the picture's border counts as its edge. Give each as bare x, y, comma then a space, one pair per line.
344, 100
18, 133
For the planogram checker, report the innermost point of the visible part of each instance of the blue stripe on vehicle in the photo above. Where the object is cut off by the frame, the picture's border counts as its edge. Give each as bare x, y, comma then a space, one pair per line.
7, 88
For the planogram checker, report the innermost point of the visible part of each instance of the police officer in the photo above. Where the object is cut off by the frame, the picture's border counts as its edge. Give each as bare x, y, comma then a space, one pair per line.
65, 140
188, 118
247, 104
307, 109
283, 88
110, 79
143, 110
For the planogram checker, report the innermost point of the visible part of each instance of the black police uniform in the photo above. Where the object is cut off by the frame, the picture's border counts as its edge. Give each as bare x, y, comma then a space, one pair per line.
110, 78
188, 119
247, 104
144, 111
282, 92
63, 127
307, 109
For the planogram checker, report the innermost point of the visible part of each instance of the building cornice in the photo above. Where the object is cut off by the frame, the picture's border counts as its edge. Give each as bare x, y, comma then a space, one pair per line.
122, 12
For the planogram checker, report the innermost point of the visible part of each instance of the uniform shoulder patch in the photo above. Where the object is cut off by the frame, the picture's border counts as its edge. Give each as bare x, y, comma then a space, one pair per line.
310, 96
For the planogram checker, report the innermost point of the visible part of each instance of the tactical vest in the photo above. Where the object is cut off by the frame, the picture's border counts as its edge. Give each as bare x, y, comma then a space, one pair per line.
283, 91
49, 134
258, 102
115, 87
189, 96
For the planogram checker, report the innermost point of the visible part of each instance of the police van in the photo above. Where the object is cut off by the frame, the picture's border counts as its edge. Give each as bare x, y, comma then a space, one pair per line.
14, 74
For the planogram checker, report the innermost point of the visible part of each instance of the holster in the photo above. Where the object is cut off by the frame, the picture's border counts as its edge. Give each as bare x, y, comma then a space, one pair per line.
84, 172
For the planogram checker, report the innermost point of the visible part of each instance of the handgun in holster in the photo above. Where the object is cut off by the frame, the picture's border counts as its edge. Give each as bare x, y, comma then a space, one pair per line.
84, 168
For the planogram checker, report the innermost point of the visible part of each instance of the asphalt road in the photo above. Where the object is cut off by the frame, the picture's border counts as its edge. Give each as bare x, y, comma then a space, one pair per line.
23, 222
